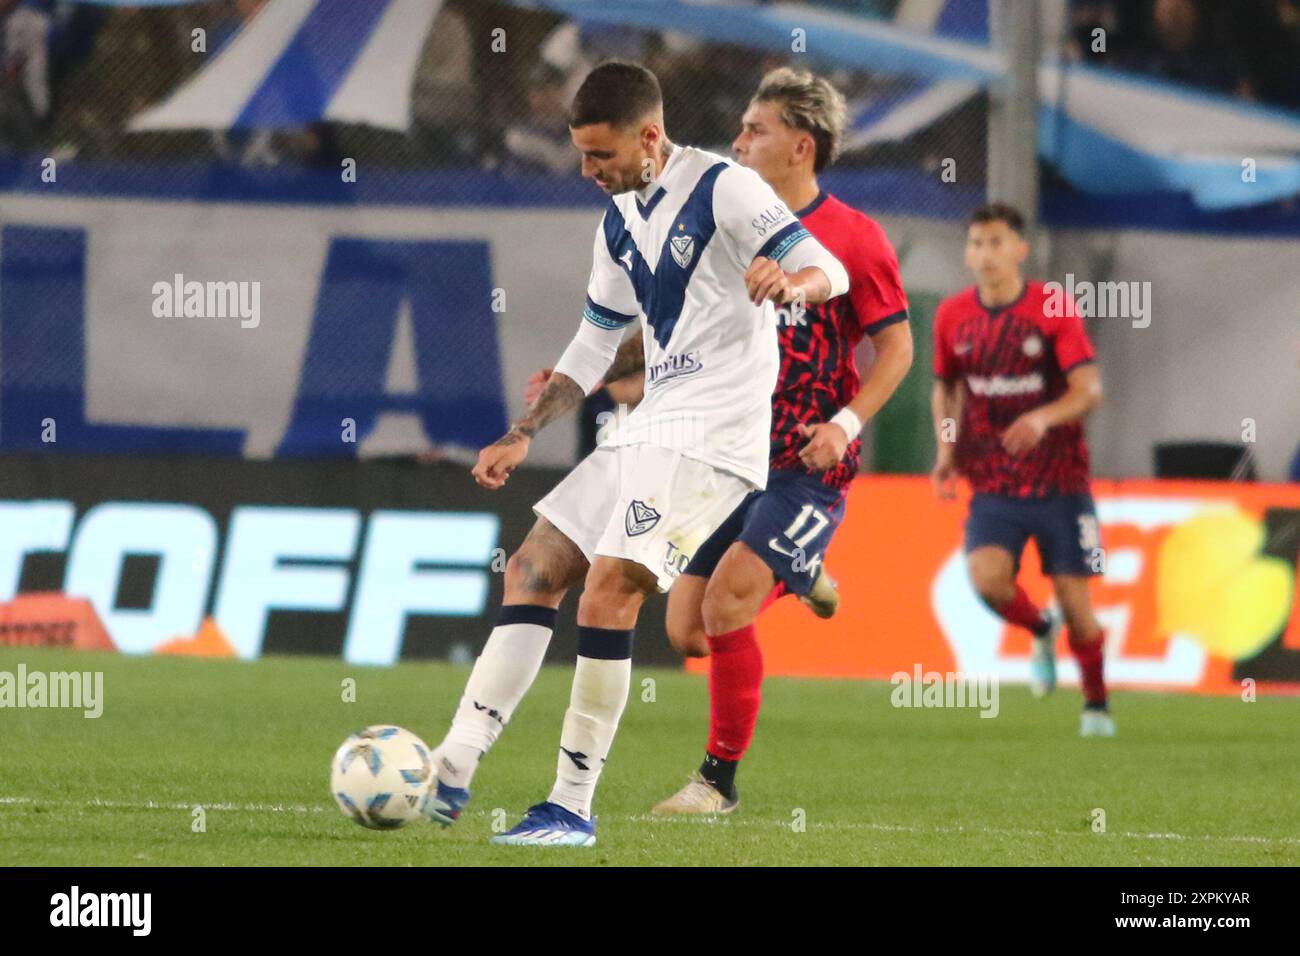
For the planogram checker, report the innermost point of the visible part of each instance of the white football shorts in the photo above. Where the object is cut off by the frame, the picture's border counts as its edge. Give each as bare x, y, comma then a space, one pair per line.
642, 503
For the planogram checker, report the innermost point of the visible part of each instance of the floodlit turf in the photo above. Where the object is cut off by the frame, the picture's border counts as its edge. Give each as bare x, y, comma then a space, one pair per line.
1190, 780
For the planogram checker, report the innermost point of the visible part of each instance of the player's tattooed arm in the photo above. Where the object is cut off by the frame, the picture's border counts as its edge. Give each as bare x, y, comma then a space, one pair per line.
559, 396
629, 360
499, 459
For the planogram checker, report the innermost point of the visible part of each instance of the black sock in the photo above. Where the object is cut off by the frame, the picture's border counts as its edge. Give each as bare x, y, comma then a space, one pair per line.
721, 774
1044, 625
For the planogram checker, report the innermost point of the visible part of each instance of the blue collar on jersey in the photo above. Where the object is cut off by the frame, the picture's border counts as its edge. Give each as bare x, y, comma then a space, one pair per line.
808, 210
645, 209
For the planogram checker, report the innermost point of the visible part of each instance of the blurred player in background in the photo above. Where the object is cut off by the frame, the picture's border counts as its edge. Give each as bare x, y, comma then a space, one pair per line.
1015, 376
776, 541
696, 247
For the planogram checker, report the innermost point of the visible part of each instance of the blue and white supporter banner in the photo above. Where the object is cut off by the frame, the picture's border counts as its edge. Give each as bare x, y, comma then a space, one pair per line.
305, 61
235, 329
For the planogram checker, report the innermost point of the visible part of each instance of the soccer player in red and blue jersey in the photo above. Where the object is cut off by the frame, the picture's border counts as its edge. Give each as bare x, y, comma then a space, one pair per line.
1015, 375
775, 541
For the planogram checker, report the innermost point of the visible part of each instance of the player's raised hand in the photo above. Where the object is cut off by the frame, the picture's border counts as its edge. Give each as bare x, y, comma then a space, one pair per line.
765, 280
826, 446
499, 459
1025, 432
944, 477
536, 382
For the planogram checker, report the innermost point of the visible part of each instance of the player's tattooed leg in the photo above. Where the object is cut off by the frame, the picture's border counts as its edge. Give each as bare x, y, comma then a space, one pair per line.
544, 567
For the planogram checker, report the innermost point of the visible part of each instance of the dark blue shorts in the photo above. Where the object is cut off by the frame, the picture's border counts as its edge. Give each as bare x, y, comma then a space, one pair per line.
789, 525
1063, 526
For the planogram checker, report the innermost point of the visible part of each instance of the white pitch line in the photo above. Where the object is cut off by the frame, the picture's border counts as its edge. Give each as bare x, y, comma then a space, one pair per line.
687, 820
155, 805
998, 831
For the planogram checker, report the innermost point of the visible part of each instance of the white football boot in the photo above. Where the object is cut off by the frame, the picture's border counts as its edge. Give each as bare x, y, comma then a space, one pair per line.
1096, 723
698, 797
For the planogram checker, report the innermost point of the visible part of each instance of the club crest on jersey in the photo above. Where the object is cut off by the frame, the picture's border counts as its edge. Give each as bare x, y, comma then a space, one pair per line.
640, 518
1032, 346
683, 249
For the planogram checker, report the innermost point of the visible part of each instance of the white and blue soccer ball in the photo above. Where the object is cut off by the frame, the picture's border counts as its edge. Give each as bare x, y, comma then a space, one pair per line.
379, 776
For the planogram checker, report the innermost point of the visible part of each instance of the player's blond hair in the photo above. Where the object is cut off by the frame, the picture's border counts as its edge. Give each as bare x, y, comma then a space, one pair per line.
808, 102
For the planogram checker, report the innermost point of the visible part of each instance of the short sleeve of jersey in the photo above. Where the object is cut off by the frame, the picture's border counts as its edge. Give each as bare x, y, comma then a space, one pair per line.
753, 216
945, 366
611, 299
875, 283
1073, 347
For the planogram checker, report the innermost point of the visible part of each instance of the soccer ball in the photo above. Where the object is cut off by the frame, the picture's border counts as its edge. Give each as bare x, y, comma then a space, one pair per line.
379, 776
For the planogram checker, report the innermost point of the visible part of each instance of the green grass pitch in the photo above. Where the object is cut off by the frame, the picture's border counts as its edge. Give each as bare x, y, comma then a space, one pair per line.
836, 775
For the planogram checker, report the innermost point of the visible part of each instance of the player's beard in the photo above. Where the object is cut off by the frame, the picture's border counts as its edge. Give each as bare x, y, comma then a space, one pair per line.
625, 184
630, 180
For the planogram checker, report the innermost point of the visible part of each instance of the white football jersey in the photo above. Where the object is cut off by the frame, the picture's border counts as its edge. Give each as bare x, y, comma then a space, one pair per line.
674, 255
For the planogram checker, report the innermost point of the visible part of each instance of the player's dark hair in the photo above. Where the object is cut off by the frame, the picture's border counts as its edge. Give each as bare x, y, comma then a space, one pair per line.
616, 93
999, 212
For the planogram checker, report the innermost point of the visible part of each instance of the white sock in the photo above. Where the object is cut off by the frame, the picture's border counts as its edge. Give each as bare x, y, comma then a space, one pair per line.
600, 688
501, 676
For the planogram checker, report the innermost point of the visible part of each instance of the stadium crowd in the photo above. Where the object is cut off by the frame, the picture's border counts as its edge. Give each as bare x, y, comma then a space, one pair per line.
75, 73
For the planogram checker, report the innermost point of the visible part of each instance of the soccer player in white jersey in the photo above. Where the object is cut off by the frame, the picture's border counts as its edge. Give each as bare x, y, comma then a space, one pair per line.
697, 248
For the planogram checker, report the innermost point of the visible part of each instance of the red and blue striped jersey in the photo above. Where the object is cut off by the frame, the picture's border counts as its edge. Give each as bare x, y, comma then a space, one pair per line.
819, 374
1013, 359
